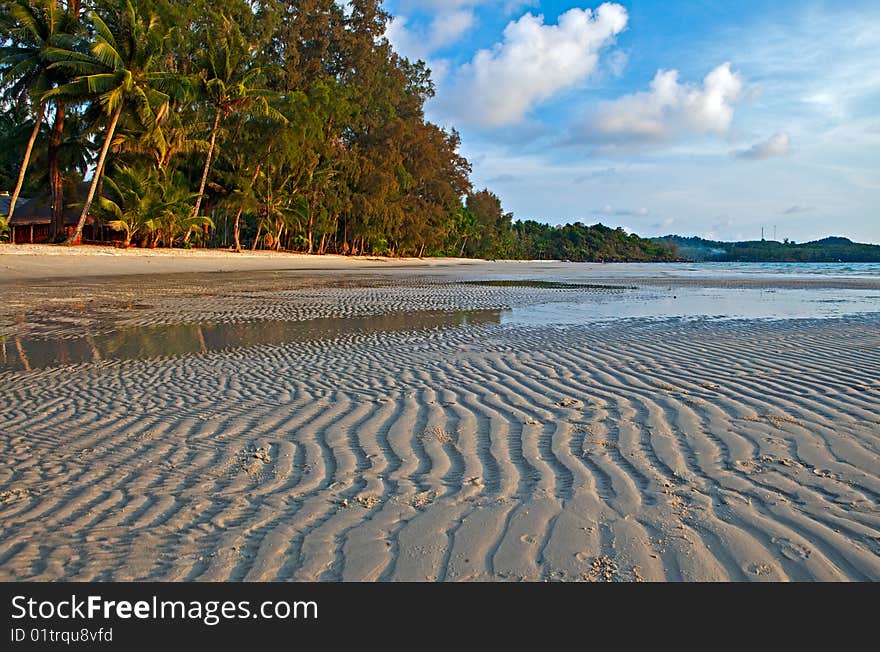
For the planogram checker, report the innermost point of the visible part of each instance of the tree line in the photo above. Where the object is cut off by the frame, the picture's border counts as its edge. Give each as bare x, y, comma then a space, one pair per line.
487, 231
270, 124
826, 250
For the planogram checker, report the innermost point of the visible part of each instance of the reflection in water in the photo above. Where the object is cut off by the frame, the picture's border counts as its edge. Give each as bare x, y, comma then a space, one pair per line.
144, 342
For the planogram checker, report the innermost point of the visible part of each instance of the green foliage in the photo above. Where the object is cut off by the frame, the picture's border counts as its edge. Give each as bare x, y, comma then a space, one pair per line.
482, 229
121, 65
292, 122
15, 127
148, 202
580, 243
827, 250
130, 201
32, 30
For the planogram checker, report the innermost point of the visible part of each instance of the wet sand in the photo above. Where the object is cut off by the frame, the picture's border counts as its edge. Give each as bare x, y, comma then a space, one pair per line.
351, 440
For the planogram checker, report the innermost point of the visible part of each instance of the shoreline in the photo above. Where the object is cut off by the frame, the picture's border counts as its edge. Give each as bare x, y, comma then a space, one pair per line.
23, 262
26, 264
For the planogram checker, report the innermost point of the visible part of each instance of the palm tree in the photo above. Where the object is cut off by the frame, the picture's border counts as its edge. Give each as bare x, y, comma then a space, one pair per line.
148, 199
121, 70
173, 219
34, 27
175, 136
131, 200
466, 226
238, 179
230, 85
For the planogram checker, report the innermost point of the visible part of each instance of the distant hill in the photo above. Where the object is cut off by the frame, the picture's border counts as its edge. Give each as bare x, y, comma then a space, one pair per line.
827, 250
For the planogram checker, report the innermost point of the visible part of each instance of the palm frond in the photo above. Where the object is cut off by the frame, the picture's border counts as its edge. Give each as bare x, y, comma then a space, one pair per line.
107, 55
104, 32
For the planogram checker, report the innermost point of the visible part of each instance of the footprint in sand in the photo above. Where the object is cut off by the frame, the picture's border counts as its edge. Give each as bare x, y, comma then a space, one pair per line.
369, 501
760, 569
790, 549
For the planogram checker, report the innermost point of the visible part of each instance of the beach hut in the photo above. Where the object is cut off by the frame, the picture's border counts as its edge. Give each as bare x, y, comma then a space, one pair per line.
32, 220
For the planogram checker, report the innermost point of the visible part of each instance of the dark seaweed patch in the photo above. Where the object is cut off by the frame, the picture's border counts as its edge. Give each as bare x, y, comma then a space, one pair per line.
547, 285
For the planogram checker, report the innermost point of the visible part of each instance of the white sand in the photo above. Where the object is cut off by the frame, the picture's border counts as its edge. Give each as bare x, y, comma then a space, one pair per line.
745, 451
54, 261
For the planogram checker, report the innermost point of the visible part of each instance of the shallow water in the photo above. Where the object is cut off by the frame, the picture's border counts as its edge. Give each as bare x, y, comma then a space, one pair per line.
718, 274
833, 270
868, 271
146, 342
721, 304
294, 307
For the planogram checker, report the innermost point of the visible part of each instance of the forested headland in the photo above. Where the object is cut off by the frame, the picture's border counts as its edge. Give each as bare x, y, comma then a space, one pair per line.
826, 250
269, 124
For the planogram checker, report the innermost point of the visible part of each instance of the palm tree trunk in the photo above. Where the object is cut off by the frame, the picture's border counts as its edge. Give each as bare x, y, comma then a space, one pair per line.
25, 161
207, 164
99, 170
235, 239
257, 239
56, 179
235, 228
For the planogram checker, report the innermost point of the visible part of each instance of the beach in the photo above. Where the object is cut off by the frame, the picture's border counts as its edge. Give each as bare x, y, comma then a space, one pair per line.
34, 261
196, 416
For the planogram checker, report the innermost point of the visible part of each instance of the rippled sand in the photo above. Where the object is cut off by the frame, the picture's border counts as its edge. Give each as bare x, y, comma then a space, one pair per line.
418, 449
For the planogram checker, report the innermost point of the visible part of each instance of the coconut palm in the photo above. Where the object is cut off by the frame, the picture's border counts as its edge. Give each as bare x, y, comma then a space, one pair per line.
172, 219
122, 69
230, 84
238, 179
148, 200
130, 200
34, 26
174, 137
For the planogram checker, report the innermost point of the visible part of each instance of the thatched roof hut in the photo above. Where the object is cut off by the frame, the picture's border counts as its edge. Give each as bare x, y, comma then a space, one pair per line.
32, 220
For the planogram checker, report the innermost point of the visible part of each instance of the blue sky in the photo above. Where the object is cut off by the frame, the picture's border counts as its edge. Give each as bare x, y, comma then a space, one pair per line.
690, 117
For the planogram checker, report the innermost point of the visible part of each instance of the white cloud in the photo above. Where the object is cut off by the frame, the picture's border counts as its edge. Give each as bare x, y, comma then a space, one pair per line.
533, 63
444, 29
777, 145
440, 23
403, 39
670, 108
436, 5
448, 27
443, 5
616, 62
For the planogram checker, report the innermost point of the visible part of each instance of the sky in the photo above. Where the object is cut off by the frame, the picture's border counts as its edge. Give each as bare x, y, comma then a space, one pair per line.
693, 117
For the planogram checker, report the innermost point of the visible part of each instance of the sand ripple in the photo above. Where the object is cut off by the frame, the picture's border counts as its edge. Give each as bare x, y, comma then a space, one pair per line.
675, 451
